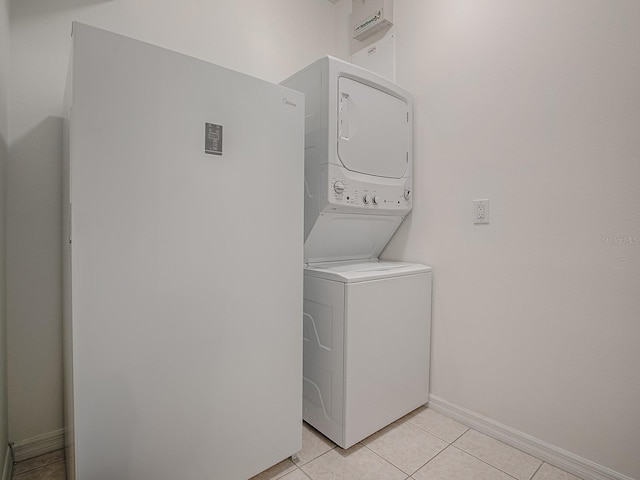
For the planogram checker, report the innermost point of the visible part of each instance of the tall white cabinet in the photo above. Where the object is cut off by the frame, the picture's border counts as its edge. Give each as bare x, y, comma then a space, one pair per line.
183, 264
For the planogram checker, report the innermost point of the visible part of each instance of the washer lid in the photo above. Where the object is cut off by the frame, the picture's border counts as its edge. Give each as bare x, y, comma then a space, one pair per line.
373, 130
363, 271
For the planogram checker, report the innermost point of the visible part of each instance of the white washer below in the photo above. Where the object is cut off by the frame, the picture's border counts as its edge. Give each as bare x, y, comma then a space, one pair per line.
366, 345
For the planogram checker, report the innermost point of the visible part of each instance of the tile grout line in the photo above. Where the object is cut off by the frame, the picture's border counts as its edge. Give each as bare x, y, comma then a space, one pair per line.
460, 436
537, 470
305, 473
437, 436
388, 461
321, 455
449, 444
432, 458
300, 464
285, 473
493, 466
501, 442
384, 459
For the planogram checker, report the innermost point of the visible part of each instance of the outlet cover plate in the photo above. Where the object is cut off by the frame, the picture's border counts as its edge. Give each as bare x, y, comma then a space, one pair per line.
481, 211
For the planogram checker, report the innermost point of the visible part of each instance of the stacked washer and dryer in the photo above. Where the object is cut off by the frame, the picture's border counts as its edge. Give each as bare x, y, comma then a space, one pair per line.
366, 322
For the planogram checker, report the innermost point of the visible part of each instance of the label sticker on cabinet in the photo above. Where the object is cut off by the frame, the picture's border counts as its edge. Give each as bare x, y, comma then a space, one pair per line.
213, 139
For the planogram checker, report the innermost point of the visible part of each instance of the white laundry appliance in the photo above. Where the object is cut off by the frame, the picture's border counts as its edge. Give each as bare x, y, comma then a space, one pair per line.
183, 356
366, 322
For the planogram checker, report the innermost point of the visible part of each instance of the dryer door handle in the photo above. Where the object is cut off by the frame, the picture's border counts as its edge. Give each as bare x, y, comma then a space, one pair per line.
343, 116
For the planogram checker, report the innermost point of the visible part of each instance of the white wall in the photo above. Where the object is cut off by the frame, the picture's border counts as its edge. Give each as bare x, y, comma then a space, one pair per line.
4, 154
270, 40
534, 105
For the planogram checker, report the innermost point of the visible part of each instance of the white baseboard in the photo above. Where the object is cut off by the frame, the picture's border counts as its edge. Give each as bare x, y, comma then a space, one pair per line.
555, 456
39, 445
7, 471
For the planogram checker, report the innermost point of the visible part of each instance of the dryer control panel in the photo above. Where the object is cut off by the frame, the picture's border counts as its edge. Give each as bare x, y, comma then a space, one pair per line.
365, 195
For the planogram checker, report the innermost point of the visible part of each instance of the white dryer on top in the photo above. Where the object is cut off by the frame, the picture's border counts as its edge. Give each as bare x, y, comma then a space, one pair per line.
358, 159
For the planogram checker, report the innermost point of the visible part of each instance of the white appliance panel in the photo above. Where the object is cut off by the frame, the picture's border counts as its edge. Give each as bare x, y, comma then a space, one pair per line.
387, 338
373, 130
353, 236
351, 272
380, 314
323, 363
179, 341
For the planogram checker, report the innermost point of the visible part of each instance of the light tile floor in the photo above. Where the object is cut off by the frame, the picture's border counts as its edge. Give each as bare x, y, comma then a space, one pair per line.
423, 445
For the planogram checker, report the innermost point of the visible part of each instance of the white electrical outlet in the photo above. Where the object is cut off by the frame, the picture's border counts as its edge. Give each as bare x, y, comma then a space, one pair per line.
481, 211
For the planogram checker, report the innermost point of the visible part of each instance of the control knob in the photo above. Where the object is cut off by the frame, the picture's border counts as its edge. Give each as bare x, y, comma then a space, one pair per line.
366, 199
407, 194
376, 200
338, 187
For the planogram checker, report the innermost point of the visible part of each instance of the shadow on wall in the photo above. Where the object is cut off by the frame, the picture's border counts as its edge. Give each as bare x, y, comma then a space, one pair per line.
34, 279
35, 172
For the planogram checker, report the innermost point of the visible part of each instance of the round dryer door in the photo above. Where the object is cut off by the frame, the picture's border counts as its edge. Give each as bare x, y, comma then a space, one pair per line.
373, 130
